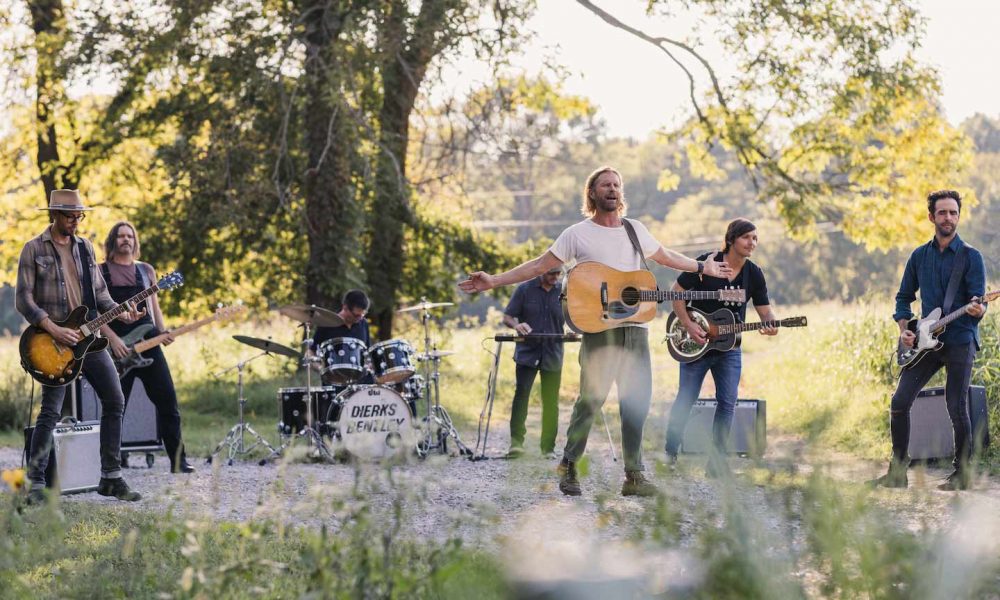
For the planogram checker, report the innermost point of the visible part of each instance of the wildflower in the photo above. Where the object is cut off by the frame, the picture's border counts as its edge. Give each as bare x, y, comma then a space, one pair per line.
14, 478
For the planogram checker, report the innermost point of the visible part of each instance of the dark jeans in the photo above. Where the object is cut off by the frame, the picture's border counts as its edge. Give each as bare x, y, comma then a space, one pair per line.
725, 368
160, 389
100, 372
957, 361
550, 406
617, 356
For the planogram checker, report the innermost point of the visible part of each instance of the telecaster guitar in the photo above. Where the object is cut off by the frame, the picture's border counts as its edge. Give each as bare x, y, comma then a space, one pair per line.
598, 297
53, 364
929, 328
723, 332
137, 345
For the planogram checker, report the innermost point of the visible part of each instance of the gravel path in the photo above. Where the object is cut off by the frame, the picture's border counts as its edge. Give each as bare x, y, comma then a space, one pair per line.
488, 503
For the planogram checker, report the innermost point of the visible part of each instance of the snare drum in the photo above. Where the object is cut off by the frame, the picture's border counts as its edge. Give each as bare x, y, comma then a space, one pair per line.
391, 361
343, 360
292, 406
375, 422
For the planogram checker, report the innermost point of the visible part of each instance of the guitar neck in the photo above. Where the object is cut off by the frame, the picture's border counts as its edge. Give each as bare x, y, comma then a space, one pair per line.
741, 327
121, 309
943, 321
671, 295
159, 339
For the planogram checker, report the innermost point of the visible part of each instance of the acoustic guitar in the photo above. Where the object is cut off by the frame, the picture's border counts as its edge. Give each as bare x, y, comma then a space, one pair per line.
53, 364
597, 297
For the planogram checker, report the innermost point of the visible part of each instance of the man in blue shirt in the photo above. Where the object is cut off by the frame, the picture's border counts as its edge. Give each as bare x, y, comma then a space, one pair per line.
929, 269
535, 307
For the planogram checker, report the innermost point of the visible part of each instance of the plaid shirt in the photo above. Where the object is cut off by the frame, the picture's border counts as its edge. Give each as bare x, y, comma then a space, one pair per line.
41, 286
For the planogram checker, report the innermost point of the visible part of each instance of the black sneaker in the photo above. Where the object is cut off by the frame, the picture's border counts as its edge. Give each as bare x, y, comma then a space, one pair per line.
568, 483
117, 488
183, 467
636, 484
958, 480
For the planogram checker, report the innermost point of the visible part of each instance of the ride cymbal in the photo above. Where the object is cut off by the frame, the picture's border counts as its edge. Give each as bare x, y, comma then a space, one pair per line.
311, 314
266, 345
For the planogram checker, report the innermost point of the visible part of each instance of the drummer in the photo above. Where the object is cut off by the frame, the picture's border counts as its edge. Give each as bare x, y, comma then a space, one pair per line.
353, 308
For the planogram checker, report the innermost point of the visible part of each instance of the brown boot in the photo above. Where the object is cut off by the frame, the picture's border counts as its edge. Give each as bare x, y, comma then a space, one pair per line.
894, 478
636, 484
568, 483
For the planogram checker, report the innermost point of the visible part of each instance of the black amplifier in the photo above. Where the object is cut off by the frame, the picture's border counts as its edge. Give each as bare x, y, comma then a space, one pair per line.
747, 436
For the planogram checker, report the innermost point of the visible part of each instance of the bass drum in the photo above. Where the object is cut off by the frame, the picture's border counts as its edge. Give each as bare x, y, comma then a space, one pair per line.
375, 422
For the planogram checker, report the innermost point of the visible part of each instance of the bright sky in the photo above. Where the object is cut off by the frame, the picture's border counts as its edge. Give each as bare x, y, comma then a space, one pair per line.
614, 69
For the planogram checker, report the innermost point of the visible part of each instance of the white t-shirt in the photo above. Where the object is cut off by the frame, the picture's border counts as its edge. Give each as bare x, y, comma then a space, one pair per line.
589, 242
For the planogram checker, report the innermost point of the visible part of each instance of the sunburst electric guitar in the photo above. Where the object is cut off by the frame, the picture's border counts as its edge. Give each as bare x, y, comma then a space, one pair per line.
136, 345
53, 364
722, 331
598, 297
928, 329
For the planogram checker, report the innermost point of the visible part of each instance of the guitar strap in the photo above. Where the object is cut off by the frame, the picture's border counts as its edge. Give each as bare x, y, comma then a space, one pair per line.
87, 282
635, 242
957, 271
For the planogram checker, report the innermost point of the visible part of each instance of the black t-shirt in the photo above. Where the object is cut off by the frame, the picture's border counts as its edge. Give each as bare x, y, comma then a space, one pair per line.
750, 278
357, 331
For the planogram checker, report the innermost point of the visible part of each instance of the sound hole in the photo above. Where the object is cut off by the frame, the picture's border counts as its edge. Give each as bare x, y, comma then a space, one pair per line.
630, 296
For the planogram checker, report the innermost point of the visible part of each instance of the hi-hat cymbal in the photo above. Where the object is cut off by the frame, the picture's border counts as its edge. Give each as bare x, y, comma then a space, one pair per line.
434, 354
266, 345
312, 315
424, 305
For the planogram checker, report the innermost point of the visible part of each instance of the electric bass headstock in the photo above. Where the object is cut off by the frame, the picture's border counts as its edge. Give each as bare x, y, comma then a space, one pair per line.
170, 280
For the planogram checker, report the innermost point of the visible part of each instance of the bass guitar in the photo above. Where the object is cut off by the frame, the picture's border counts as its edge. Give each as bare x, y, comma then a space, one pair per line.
723, 333
928, 329
51, 363
137, 345
598, 297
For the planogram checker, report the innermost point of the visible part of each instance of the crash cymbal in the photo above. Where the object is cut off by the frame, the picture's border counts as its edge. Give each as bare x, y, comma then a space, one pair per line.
312, 315
266, 345
434, 354
424, 305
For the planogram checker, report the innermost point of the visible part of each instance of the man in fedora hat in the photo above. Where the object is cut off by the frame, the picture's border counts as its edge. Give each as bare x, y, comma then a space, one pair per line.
55, 274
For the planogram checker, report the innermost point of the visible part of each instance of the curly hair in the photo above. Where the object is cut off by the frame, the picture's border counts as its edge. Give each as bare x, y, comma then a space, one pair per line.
589, 206
933, 197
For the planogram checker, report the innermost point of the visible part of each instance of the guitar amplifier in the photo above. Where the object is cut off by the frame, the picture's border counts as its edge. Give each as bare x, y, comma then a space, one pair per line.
139, 432
748, 434
75, 459
931, 434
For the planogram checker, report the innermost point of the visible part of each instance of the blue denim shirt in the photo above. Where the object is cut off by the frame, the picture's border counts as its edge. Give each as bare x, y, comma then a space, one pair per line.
541, 310
929, 269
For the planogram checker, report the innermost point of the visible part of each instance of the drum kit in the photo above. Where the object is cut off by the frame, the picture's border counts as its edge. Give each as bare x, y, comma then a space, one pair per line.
372, 404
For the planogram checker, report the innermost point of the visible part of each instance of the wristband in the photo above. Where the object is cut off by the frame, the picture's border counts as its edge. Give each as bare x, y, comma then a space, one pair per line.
701, 267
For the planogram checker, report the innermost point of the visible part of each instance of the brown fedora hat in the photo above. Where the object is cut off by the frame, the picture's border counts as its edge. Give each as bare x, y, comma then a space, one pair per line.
68, 200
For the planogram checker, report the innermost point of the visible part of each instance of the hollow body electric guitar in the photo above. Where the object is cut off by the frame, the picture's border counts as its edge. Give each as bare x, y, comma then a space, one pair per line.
598, 298
929, 328
53, 364
723, 333
136, 345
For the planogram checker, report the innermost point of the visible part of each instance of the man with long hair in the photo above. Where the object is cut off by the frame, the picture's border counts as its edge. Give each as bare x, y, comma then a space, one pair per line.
618, 356
725, 367
126, 276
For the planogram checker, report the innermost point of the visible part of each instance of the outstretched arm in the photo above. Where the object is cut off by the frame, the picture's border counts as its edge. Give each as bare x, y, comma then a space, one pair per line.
481, 282
676, 260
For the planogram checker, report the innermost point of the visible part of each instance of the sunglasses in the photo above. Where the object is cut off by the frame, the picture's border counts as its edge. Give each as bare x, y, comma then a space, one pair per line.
74, 218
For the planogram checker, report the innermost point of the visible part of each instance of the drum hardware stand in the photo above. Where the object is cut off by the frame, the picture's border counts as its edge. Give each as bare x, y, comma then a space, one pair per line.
611, 442
234, 439
438, 423
491, 392
310, 433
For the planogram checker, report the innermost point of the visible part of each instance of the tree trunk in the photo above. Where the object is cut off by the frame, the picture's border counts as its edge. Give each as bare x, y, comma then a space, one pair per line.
48, 22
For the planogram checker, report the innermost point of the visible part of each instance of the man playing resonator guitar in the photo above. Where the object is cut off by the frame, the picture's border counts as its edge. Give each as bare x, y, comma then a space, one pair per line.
948, 273
725, 366
56, 273
618, 355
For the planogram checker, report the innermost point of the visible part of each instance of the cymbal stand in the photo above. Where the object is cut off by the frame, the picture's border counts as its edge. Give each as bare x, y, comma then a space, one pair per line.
439, 426
479, 453
310, 433
234, 440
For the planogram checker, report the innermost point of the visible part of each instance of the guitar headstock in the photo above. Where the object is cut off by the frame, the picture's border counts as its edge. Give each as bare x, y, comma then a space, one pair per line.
230, 311
989, 296
170, 280
732, 296
794, 322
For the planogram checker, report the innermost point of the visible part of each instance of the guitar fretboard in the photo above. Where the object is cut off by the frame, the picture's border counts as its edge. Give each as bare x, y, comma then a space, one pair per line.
631, 296
943, 321
121, 309
741, 327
